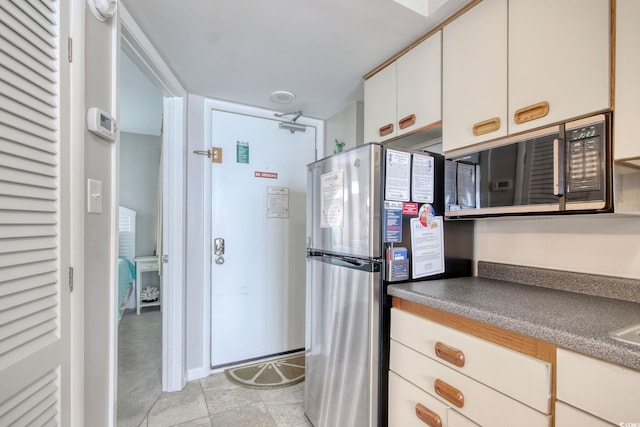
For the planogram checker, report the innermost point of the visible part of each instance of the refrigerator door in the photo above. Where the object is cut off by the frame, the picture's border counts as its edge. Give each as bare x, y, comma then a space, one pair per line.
341, 379
343, 202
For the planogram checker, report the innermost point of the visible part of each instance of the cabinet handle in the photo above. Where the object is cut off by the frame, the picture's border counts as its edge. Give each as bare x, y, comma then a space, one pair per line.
486, 126
531, 112
410, 120
449, 393
450, 354
386, 129
427, 416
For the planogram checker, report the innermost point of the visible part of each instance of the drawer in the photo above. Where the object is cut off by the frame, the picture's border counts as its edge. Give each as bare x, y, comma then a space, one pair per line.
568, 416
476, 401
403, 399
520, 376
601, 388
457, 420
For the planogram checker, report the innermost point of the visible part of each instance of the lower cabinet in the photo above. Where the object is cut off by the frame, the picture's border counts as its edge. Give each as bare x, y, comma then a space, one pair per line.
568, 416
440, 376
608, 392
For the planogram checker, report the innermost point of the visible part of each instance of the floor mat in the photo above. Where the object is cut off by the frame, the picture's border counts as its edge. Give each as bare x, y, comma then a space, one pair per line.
281, 372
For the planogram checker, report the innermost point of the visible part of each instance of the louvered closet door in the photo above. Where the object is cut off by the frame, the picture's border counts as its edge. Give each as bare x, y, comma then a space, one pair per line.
34, 226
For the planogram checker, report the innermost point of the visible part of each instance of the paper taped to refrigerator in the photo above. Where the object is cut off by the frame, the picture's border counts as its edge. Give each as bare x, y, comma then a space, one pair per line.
422, 179
332, 199
398, 176
428, 248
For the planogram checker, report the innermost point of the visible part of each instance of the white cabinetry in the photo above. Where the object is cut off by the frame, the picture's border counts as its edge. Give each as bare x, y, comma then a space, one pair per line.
559, 60
515, 65
405, 96
479, 381
602, 389
474, 79
627, 108
146, 275
380, 105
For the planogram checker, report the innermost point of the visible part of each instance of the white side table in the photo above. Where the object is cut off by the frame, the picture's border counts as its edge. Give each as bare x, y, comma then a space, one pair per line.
148, 265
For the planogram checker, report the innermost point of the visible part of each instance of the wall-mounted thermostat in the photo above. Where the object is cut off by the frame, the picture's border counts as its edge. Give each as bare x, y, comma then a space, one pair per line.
101, 123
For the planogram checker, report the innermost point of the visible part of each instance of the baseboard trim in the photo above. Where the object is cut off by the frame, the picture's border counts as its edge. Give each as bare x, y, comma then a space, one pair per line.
198, 373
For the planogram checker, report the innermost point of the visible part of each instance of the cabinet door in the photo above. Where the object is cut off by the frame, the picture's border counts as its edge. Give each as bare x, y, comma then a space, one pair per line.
568, 416
558, 55
627, 108
380, 105
601, 388
419, 80
474, 80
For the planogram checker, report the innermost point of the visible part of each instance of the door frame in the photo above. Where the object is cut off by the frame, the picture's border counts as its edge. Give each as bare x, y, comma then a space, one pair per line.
207, 256
174, 139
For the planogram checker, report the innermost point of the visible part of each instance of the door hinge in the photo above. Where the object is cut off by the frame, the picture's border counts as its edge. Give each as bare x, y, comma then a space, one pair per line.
70, 279
70, 49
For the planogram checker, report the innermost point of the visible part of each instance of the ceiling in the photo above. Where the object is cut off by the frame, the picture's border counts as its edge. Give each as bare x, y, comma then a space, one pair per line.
242, 50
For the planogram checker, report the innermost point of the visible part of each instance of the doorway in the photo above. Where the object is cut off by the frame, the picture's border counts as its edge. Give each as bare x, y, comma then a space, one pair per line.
258, 203
139, 283
170, 220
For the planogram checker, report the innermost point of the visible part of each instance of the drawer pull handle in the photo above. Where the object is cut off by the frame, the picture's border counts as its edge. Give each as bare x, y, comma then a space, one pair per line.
410, 120
486, 126
532, 112
450, 354
386, 130
427, 416
449, 393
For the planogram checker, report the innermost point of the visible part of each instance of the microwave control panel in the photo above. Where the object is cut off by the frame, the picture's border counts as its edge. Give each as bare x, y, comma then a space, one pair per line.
585, 158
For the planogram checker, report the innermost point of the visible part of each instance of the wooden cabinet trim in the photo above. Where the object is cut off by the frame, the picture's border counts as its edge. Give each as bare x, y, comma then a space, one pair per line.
521, 343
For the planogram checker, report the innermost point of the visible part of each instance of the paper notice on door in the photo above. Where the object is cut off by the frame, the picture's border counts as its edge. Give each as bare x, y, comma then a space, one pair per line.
398, 180
427, 246
422, 179
277, 202
332, 199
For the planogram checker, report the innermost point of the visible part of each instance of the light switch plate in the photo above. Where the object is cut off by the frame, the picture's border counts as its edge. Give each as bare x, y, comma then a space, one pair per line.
94, 196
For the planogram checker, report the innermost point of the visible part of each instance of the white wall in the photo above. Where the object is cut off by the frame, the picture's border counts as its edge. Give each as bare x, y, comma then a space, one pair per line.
596, 244
99, 158
139, 166
347, 126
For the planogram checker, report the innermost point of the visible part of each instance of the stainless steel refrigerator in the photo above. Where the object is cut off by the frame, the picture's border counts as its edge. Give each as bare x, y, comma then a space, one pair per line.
360, 214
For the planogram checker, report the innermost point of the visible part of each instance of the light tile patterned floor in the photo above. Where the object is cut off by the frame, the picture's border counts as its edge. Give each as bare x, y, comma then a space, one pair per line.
215, 401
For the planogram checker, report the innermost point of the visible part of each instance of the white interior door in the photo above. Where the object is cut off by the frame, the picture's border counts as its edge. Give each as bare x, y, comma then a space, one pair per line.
258, 208
34, 213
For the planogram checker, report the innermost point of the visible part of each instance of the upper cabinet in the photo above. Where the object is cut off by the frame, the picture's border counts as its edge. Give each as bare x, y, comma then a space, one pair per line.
627, 93
515, 65
474, 103
405, 96
559, 60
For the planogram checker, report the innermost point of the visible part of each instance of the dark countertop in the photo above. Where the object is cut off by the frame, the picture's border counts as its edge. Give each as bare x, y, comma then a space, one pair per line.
576, 321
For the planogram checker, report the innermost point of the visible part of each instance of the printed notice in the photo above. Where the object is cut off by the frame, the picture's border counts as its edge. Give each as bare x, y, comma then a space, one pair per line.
332, 199
466, 185
428, 248
422, 179
277, 202
392, 222
242, 152
397, 182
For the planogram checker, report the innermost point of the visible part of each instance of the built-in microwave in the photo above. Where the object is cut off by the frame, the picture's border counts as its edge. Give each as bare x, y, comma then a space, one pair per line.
564, 168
